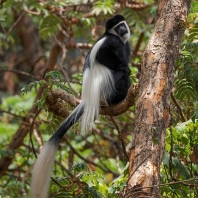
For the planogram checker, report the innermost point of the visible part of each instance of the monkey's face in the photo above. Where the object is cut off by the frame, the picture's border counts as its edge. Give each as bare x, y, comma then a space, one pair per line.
121, 30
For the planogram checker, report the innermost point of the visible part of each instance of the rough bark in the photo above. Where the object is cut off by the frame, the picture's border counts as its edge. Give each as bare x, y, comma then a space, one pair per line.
152, 110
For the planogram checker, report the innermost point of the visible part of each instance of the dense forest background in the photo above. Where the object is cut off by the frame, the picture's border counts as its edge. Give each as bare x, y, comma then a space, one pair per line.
43, 45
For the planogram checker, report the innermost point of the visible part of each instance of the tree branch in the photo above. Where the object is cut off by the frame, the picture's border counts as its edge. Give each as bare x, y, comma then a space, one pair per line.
19, 72
178, 107
113, 110
121, 138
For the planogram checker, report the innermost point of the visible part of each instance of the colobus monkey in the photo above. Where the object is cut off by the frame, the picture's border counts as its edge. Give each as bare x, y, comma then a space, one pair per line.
105, 80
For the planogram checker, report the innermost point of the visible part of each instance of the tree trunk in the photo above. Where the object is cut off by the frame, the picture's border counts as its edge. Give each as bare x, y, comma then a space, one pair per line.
152, 110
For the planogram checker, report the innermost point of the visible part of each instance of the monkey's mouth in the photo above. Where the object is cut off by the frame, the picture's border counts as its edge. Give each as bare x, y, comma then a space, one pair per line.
122, 31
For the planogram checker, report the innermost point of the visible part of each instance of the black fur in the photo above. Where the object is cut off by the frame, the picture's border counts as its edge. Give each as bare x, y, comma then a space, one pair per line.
115, 54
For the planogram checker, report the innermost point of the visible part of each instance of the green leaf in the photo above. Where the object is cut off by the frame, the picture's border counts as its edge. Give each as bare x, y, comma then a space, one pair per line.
90, 192
49, 26
176, 164
166, 158
105, 6
182, 169
79, 167
54, 74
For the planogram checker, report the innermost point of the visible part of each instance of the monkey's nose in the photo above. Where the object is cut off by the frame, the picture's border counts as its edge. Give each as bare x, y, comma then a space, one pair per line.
122, 31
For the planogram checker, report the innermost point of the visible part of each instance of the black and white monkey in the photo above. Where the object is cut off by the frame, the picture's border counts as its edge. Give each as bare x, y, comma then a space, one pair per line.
105, 79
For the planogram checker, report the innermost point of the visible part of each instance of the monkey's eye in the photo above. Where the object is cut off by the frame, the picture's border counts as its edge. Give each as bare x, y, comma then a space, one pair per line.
121, 29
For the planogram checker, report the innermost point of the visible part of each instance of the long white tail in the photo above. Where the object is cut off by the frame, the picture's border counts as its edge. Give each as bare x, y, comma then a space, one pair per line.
44, 163
42, 171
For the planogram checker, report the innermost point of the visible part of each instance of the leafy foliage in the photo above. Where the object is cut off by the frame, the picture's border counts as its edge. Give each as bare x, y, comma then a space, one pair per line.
49, 26
106, 171
187, 78
87, 184
105, 6
180, 141
53, 80
186, 82
185, 89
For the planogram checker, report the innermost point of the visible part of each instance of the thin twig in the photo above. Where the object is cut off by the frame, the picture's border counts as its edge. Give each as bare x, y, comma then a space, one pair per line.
66, 170
88, 161
31, 132
178, 107
32, 12
9, 179
137, 47
171, 154
64, 50
57, 183
18, 72
121, 138
12, 27
13, 114
38, 138
166, 184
